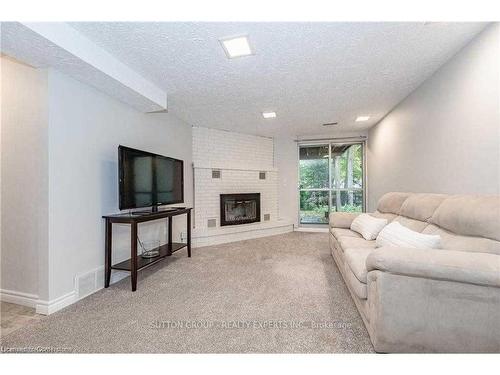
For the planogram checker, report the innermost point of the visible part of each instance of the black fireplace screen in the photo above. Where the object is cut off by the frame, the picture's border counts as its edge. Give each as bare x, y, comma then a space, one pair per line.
239, 208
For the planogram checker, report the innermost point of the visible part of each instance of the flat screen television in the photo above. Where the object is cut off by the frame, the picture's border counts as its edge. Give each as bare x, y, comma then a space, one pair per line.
148, 180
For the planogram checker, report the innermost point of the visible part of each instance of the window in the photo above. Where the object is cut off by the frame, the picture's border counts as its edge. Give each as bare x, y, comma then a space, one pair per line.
331, 178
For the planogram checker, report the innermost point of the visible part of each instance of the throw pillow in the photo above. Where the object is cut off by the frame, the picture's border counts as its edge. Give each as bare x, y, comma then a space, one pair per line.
368, 226
397, 235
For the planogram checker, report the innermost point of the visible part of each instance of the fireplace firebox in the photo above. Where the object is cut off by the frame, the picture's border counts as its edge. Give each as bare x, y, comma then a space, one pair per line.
239, 208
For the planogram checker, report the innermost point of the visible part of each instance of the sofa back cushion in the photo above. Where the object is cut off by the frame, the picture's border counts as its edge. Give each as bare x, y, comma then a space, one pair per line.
452, 241
416, 225
470, 215
421, 206
387, 216
464, 222
392, 202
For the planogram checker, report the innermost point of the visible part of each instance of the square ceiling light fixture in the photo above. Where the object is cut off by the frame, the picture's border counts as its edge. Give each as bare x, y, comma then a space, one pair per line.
269, 114
362, 118
236, 46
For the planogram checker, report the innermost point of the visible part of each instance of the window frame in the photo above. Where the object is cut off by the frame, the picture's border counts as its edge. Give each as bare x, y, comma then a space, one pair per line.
330, 188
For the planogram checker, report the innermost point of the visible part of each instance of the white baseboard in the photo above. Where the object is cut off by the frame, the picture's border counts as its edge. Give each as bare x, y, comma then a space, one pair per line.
32, 300
19, 298
50, 307
312, 229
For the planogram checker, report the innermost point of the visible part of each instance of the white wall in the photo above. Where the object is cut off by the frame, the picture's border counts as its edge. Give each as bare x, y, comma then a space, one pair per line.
59, 142
85, 129
286, 160
23, 176
445, 136
221, 148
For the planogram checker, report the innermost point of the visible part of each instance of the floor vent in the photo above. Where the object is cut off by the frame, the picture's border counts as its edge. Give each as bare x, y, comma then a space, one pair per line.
267, 217
262, 175
86, 284
216, 173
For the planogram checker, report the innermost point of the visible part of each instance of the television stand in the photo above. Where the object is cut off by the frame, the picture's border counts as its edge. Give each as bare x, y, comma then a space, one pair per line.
136, 262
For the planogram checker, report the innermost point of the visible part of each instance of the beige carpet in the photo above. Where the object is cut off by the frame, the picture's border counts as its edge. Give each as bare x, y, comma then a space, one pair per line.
269, 295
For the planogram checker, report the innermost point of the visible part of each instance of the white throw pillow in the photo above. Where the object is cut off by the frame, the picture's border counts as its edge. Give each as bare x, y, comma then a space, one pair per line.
368, 226
397, 235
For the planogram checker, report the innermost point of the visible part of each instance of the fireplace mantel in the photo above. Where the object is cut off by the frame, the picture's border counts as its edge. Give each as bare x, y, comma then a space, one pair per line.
234, 167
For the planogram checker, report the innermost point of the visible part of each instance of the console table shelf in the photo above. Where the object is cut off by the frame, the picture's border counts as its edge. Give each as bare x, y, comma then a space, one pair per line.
126, 265
136, 262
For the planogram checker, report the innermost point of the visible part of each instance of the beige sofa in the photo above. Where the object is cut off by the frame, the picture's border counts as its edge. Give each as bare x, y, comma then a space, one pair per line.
425, 300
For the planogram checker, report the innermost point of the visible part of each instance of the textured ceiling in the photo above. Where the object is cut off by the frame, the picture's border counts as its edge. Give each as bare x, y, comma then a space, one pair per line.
309, 73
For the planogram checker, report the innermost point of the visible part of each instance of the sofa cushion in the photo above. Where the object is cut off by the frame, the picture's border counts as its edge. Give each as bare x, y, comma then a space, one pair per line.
416, 225
341, 219
350, 242
337, 253
454, 241
421, 206
339, 232
357, 287
450, 265
399, 236
390, 217
368, 226
355, 258
470, 215
392, 202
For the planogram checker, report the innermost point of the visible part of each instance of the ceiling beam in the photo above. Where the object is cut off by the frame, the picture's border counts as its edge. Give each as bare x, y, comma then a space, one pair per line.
58, 45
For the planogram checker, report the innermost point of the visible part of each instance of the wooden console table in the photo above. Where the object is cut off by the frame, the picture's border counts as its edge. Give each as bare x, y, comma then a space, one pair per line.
136, 262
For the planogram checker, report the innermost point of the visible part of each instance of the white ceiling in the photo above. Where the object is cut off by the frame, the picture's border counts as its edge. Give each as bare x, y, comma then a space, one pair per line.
309, 73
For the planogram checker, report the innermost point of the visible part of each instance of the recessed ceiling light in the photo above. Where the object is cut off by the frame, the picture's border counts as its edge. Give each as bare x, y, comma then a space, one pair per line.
236, 47
362, 118
269, 114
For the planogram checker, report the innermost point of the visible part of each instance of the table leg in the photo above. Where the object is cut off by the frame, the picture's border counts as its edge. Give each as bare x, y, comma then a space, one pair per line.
169, 220
107, 253
189, 233
133, 256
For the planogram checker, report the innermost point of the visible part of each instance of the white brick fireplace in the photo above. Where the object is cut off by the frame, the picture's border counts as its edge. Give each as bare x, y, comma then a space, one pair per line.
232, 163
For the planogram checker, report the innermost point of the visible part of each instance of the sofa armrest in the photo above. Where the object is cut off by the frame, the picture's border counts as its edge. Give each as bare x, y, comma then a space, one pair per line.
460, 266
342, 219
